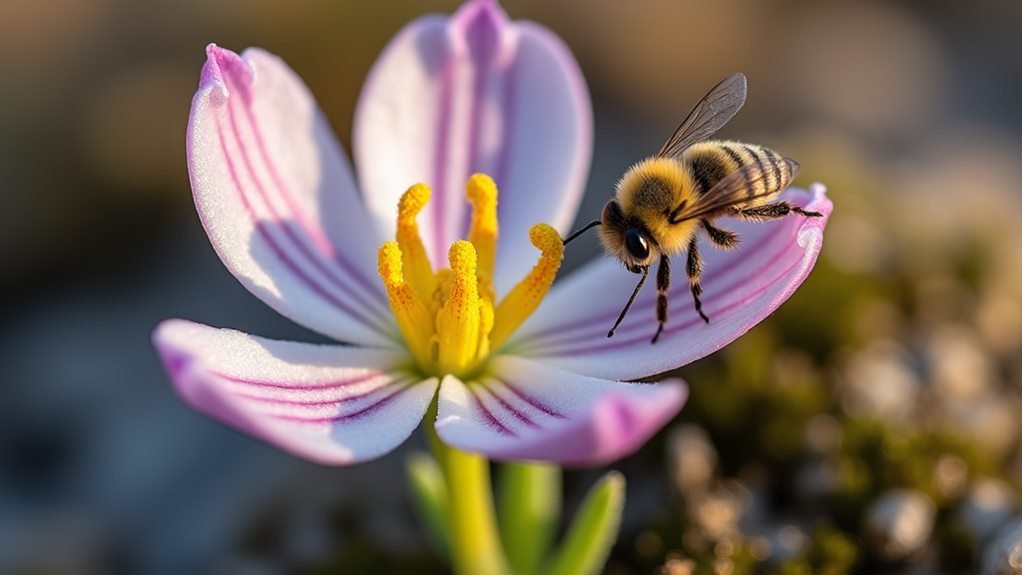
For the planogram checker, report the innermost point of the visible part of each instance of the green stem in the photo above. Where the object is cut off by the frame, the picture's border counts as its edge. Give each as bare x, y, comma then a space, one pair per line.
475, 544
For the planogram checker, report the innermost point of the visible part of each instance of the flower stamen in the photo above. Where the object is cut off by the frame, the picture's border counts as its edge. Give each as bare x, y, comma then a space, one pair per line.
416, 261
412, 315
458, 321
526, 296
448, 318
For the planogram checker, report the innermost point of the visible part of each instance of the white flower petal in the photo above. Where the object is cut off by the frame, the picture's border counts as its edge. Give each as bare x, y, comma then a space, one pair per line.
476, 93
276, 196
741, 288
533, 411
330, 404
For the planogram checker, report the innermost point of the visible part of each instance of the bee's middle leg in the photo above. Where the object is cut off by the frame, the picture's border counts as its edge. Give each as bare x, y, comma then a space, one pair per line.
723, 239
694, 269
663, 283
775, 210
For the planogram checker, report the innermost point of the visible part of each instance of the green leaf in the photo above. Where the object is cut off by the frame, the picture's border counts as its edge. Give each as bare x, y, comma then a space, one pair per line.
594, 529
429, 492
529, 505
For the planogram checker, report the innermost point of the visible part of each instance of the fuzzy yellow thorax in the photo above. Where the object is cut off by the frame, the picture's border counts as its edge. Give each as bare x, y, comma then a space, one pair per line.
449, 318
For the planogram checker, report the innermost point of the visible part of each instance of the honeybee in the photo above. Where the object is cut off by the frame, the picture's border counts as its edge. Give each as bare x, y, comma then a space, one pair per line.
664, 202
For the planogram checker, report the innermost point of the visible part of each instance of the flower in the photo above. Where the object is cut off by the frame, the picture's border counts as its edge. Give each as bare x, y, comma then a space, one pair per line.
448, 98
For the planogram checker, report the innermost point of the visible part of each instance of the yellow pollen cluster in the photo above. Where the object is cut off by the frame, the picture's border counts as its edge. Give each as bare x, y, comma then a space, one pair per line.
448, 317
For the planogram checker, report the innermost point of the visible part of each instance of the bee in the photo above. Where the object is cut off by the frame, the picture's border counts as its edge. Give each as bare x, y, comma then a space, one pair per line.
665, 202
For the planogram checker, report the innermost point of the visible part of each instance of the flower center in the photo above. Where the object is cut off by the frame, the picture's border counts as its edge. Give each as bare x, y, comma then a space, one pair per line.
448, 318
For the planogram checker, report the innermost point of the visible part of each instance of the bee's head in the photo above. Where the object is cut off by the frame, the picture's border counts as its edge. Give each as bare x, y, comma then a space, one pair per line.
626, 238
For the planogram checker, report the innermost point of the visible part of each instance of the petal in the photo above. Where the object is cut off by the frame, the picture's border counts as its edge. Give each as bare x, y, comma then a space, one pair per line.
534, 411
740, 289
276, 196
329, 404
476, 93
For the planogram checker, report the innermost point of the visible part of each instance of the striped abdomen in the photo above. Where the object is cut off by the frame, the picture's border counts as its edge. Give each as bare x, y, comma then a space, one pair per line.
710, 162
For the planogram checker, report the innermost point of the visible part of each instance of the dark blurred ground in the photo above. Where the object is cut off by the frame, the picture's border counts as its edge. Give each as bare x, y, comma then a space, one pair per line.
857, 429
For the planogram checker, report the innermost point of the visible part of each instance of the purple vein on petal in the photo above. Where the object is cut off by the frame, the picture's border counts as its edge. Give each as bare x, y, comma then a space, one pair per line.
313, 231
681, 300
595, 343
338, 401
509, 106
440, 159
288, 227
480, 63
605, 344
557, 333
483, 32
402, 386
274, 245
514, 411
491, 420
299, 387
527, 398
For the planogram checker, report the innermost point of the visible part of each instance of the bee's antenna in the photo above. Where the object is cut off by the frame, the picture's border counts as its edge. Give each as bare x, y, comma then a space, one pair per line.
587, 227
620, 318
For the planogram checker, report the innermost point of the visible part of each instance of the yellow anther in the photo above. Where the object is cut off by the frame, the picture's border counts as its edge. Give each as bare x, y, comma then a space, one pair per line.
548, 241
525, 297
457, 323
482, 193
416, 261
463, 260
413, 318
412, 201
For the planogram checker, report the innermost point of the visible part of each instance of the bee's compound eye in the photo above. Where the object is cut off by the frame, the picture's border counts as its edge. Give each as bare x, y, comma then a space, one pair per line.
636, 244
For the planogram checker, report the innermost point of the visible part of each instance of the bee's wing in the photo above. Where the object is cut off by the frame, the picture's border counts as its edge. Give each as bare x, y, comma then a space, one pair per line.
716, 108
737, 188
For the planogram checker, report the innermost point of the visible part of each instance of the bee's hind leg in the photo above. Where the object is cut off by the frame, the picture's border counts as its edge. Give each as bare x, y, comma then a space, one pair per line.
774, 211
694, 269
805, 213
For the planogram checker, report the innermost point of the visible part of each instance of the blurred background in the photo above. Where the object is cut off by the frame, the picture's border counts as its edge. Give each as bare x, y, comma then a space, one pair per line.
871, 426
